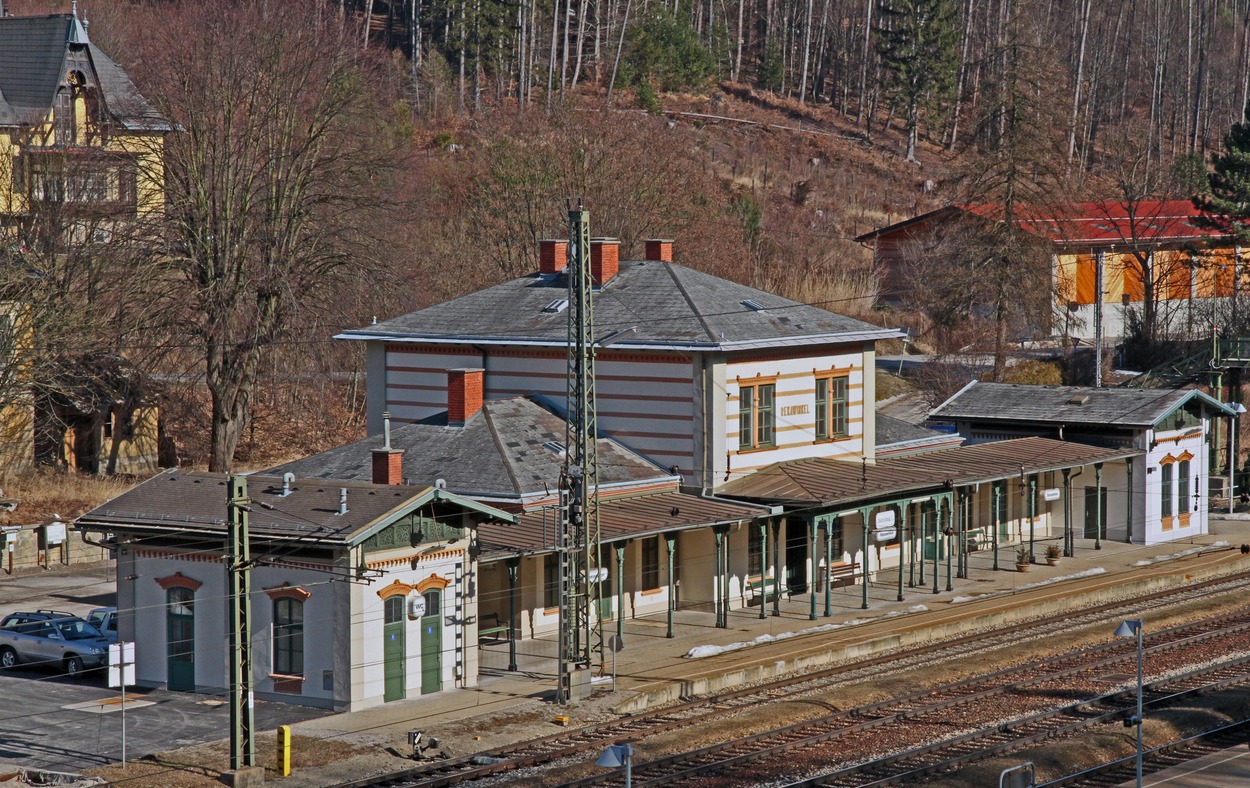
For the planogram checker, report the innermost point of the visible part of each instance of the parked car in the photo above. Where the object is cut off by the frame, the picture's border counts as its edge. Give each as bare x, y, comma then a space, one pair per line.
105, 620
49, 636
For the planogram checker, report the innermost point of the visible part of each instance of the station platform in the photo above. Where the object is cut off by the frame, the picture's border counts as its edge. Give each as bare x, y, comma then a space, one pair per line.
652, 669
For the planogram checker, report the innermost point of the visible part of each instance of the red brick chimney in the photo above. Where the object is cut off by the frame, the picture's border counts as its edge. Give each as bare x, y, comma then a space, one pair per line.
464, 394
553, 255
660, 250
388, 463
605, 259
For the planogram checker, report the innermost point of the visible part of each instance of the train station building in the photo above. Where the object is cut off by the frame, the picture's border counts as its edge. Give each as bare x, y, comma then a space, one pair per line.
740, 462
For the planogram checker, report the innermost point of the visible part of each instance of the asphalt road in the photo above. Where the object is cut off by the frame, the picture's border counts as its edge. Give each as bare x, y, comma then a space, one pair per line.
49, 721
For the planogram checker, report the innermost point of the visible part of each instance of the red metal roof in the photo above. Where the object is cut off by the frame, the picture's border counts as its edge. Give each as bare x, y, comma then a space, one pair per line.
826, 482
1102, 223
619, 518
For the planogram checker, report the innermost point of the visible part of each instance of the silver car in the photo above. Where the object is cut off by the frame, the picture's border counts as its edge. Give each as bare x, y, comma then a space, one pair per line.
52, 637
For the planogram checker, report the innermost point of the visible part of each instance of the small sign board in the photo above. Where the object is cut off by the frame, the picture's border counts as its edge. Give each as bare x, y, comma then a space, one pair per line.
886, 534
616, 644
884, 519
416, 605
1050, 494
54, 533
121, 664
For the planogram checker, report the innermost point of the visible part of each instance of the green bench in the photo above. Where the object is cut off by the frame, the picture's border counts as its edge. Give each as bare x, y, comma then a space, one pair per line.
761, 588
497, 631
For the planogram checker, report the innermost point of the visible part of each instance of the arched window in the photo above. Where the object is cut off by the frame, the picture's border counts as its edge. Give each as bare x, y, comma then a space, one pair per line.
1165, 490
288, 636
433, 602
1182, 486
394, 610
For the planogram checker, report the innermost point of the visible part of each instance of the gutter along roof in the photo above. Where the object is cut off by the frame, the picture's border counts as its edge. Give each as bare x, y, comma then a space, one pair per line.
827, 482
670, 306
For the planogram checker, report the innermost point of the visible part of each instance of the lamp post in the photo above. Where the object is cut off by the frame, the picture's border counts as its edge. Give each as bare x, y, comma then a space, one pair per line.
1133, 626
616, 756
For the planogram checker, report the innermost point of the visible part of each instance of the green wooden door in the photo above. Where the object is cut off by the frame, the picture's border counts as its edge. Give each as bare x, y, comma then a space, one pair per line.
393, 648
432, 643
1091, 514
180, 637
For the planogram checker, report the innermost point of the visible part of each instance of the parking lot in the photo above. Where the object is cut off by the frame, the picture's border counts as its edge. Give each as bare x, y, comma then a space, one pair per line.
53, 722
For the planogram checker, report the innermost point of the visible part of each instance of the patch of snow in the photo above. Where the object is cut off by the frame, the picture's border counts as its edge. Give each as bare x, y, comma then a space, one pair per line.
1173, 556
1098, 570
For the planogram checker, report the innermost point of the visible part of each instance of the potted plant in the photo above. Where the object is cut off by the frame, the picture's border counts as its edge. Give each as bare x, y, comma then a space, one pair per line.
1023, 559
1053, 554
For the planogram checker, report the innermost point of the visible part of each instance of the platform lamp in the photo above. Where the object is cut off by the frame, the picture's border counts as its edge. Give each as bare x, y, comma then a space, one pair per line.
616, 756
1128, 628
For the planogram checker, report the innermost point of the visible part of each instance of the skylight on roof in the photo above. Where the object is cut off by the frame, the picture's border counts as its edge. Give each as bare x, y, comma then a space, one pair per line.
555, 447
754, 306
558, 305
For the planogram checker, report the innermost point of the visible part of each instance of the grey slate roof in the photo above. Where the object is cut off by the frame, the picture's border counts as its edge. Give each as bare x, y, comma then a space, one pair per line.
499, 452
187, 503
891, 431
1015, 402
33, 52
670, 306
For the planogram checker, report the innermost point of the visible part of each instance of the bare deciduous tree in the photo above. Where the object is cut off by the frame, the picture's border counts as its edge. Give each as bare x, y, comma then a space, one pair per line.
275, 179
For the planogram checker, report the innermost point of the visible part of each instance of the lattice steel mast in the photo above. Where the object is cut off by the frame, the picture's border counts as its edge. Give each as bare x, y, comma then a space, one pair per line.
581, 627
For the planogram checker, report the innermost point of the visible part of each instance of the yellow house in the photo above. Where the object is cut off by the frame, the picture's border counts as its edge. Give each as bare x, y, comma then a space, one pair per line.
81, 157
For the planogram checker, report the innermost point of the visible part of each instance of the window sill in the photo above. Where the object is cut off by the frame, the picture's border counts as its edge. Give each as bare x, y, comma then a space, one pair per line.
834, 439
756, 449
286, 684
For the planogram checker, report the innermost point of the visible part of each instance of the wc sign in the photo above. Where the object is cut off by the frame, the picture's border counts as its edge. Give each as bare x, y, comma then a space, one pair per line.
884, 525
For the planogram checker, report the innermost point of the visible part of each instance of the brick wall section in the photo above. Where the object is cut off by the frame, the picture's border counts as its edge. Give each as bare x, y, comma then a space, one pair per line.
605, 259
464, 394
553, 255
659, 249
388, 466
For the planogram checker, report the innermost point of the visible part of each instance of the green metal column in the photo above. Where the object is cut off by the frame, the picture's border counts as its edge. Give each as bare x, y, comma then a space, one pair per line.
670, 540
1098, 505
949, 532
764, 568
829, 523
995, 516
620, 590
238, 564
1128, 502
1032, 493
902, 540
937, 540
863, 513
1067, 512
811, 552
719, 589
777, 573
513, 565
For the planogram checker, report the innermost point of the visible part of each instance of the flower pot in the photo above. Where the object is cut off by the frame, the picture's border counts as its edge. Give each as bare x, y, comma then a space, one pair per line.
1052, 562
1022, 567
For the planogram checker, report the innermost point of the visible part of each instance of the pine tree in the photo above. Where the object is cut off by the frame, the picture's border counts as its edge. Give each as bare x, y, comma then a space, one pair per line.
1227, 198
918, 43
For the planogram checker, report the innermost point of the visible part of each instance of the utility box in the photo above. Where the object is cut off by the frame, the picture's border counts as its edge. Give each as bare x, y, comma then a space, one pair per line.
577, 684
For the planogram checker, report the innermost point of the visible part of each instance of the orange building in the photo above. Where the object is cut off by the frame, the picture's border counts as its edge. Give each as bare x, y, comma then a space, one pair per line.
1148, 246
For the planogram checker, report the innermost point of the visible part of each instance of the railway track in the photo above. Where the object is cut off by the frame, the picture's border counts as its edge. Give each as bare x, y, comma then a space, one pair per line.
995, 713
699, 710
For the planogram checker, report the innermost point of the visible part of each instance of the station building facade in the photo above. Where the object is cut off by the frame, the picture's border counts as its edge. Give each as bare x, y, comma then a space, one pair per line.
739, 460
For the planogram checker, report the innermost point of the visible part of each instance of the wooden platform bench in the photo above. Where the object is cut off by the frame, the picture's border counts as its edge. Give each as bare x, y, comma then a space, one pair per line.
761, 588
495, 630
843, 574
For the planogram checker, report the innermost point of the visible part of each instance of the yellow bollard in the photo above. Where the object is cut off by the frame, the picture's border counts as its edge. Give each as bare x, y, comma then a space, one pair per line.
284, 750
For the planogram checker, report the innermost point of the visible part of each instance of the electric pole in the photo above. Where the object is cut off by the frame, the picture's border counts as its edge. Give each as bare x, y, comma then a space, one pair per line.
238, 567
581, 628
